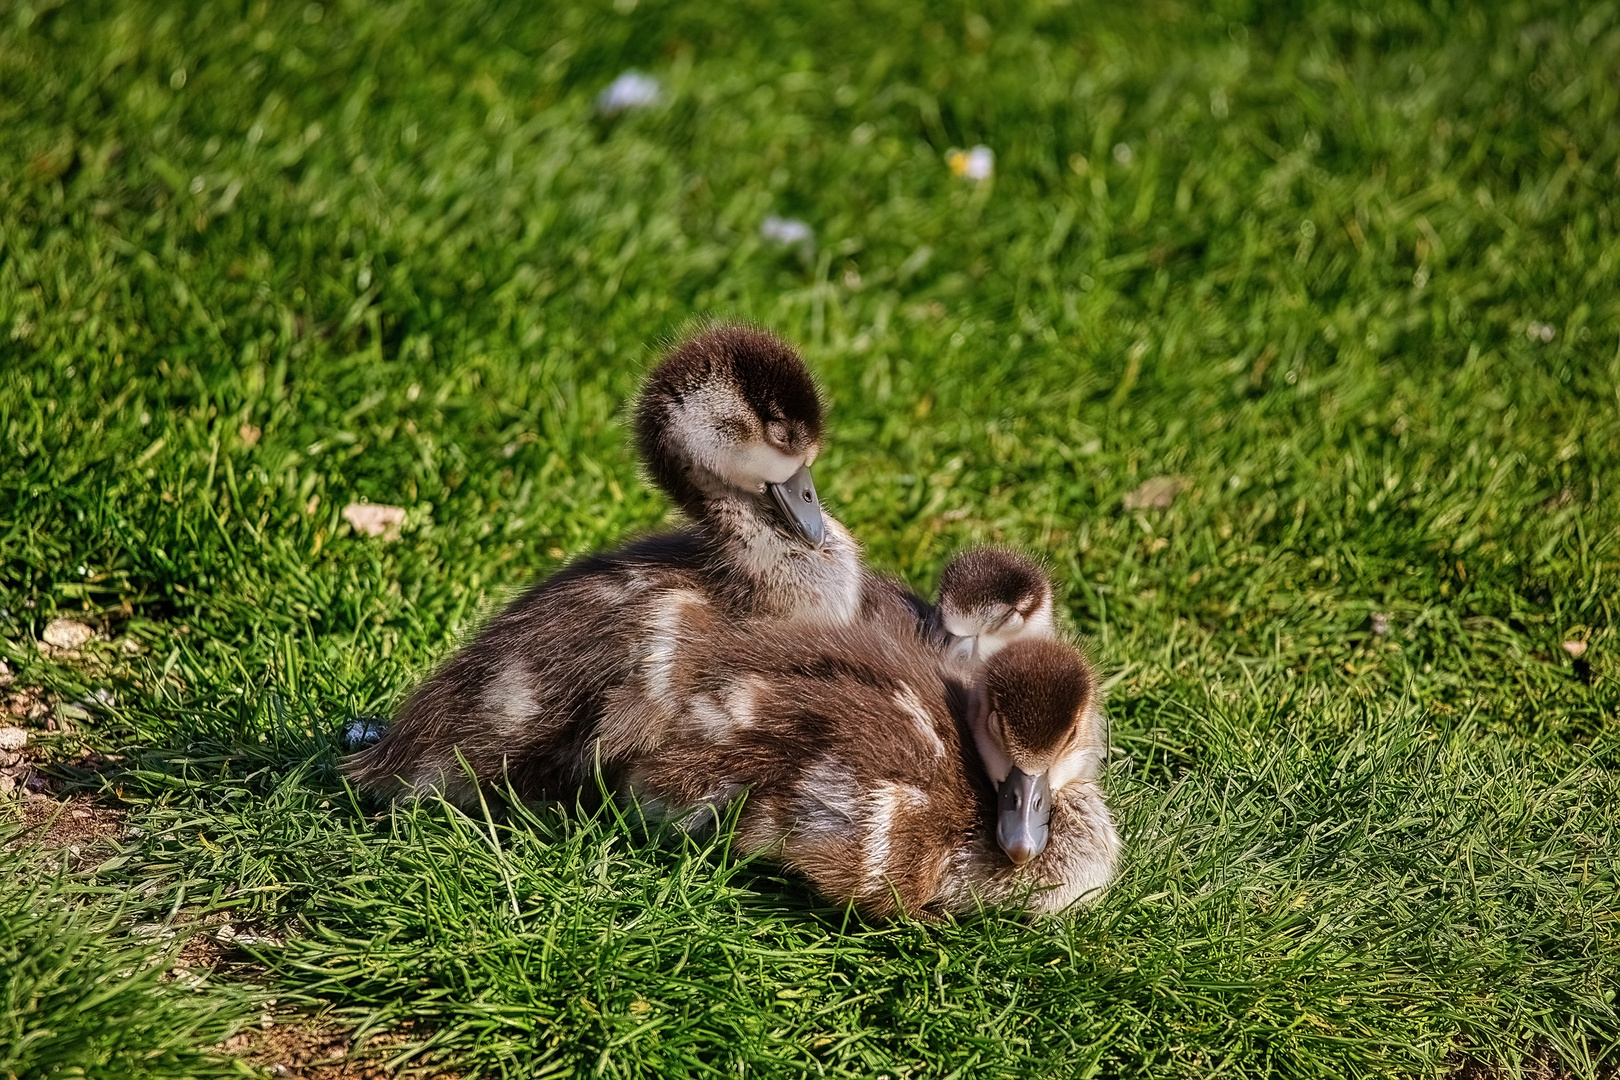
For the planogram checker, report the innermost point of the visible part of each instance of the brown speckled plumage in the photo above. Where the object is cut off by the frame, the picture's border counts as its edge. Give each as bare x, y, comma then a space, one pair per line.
994, 597
734, 656
1046, 683
525, 700
855, 750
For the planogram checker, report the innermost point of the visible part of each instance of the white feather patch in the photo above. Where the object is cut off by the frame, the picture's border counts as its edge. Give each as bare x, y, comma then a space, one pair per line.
1083, 759
666, 631
510, 698
910, 704
884, 807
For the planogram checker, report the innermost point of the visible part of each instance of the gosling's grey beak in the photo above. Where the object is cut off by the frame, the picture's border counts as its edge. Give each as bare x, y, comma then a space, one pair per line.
796, 498
1026, 808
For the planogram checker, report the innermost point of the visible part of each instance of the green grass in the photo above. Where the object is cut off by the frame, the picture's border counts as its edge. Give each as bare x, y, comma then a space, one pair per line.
73, 1003
1349, 271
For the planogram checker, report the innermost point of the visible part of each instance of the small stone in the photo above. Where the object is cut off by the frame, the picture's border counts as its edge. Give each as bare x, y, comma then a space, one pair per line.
12, 738
1159, 493
67, 633
375, 519
225, 933
1576, 649
249, 434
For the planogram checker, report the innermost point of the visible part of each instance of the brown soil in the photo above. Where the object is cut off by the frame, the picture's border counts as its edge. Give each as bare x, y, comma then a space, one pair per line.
201, 950
88, 830
1542, 1064
307, 1048
77, 821
52, 816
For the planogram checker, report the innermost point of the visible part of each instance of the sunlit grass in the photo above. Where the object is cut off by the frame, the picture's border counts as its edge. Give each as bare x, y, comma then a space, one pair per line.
1347, 277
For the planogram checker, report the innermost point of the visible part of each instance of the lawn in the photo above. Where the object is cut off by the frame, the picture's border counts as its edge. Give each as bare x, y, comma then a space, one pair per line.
1290, 338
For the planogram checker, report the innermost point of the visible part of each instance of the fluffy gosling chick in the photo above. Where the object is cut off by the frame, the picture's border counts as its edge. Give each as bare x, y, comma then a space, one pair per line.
728, 424
989, 598
870, 770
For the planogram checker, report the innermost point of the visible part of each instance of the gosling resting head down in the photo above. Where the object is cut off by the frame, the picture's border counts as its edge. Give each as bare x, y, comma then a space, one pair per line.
990, 598
1035, 723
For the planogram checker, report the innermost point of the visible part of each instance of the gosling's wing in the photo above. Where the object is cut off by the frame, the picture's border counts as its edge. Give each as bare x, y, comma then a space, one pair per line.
523, 696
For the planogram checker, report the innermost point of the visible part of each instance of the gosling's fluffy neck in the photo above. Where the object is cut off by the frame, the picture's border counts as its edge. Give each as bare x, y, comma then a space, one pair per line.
785, 577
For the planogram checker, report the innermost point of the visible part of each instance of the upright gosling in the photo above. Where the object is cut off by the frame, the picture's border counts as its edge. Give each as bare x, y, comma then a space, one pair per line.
728, 424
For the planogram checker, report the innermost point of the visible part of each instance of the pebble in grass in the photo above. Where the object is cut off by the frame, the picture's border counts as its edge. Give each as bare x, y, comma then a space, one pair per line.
789, 233
375, 519
66, 634
362, 731
786, 231
1158, 493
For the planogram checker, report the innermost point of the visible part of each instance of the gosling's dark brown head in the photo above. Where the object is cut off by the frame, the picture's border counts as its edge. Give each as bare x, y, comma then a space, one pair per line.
733, 410
991, 597
1038, 726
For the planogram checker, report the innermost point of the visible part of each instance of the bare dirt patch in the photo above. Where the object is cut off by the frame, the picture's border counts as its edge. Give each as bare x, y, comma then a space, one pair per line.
1541, 1065
77, 821
84, 828
310, 1049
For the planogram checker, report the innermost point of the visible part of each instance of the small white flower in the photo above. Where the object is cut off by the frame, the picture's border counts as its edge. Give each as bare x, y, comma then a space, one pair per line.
978, 163
786, 231
1123, 153
632, 90
1380, 623
1539, 331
